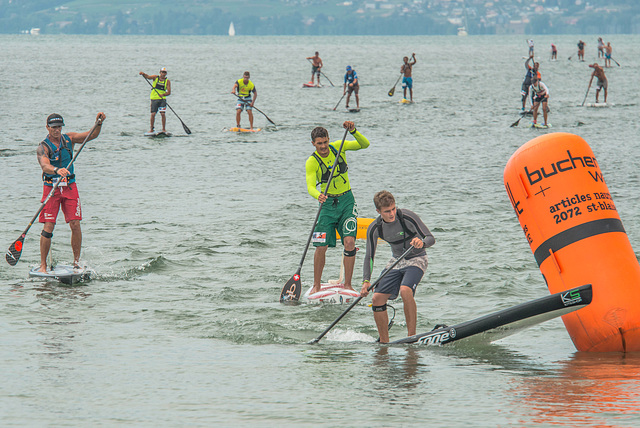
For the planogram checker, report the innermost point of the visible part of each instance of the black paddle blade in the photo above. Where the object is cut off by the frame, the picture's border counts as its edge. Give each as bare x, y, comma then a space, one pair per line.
186, 128
514, 124
292, 289
15, 251
392, 91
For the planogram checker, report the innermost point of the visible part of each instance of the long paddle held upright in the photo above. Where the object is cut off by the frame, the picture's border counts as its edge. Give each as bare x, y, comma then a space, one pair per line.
355, 302
15, 250
255, 108
393, 90
185, 127
293, 288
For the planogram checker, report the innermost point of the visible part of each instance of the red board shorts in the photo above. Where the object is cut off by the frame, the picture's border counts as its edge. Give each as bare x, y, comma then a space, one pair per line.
65, 197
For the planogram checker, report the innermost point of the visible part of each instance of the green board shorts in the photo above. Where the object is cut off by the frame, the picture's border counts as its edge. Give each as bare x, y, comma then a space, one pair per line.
341, 213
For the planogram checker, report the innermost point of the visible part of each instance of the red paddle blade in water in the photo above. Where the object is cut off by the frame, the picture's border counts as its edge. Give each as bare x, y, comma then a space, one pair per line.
15, 251
292, 289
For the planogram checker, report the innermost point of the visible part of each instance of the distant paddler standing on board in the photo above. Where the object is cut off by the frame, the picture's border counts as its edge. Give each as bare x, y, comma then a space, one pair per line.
407, 80
161, 90
602, 83
554, 52
351, 84
531, 71
54, 154
530, 43
581, 45
401, 229
540, 96
245, 88
607, 56
339, 210
316, 67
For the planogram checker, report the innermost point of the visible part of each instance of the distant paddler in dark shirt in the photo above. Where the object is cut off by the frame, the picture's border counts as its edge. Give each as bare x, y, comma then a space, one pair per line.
581, 45
161, 90
245, 88
401, 229
316, 66
602, 80
407, 80
339, 210
531, 71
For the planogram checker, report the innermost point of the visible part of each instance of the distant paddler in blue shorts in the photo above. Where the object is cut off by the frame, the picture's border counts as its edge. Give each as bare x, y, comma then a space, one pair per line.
316, 67
339, 210
245, 88
407, 80
401, 229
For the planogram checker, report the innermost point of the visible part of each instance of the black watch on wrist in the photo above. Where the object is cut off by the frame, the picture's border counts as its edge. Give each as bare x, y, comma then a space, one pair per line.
55, 170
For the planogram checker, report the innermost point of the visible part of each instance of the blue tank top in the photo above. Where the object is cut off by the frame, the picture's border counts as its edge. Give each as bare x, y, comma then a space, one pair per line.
350, 78
59, 157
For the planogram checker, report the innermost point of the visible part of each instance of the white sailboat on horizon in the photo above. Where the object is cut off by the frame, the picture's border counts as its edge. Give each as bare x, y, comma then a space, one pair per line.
232, 29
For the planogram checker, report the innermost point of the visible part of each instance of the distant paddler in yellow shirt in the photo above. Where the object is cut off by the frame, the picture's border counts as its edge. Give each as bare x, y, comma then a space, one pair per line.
161, 90
245, 88
339, 210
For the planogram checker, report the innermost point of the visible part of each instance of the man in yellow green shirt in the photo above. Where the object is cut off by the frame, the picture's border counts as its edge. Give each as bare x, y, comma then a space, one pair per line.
161, 90
339, 210
245, 88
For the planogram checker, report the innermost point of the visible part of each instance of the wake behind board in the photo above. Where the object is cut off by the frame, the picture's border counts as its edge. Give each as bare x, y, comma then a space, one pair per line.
509, 321
311, 85
331, 293
159, 134
235, 129
63, 273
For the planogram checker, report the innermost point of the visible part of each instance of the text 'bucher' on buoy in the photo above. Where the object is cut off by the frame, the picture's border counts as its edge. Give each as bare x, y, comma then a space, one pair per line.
569, 218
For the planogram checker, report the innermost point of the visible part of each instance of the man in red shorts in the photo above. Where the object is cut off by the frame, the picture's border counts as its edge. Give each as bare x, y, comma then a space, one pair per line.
54, 154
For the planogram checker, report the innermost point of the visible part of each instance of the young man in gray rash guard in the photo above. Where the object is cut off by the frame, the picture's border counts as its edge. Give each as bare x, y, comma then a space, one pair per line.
401, 229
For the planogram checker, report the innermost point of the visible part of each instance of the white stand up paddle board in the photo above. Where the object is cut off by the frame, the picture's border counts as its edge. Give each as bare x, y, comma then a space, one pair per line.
158, 134
63, 273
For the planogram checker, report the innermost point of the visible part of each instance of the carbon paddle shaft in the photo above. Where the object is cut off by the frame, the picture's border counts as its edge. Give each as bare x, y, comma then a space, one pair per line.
184, 126
13, 255
306, 248
369, 288
585, 95
325, 76
256, 109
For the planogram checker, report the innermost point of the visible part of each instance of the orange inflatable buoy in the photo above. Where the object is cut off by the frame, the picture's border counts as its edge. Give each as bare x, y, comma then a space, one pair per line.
568, 217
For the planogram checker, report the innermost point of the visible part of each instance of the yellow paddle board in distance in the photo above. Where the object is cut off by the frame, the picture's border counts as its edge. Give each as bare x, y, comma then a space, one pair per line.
363, 224
244, 130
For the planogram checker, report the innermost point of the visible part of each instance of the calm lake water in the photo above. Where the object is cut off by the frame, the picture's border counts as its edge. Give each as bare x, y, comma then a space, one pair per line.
193, 237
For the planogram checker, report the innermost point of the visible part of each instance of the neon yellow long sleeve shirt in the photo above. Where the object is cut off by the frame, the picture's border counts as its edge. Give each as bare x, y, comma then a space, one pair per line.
340, 182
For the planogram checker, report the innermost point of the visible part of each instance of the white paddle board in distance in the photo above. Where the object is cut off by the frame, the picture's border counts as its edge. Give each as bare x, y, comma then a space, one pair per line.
159, 134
